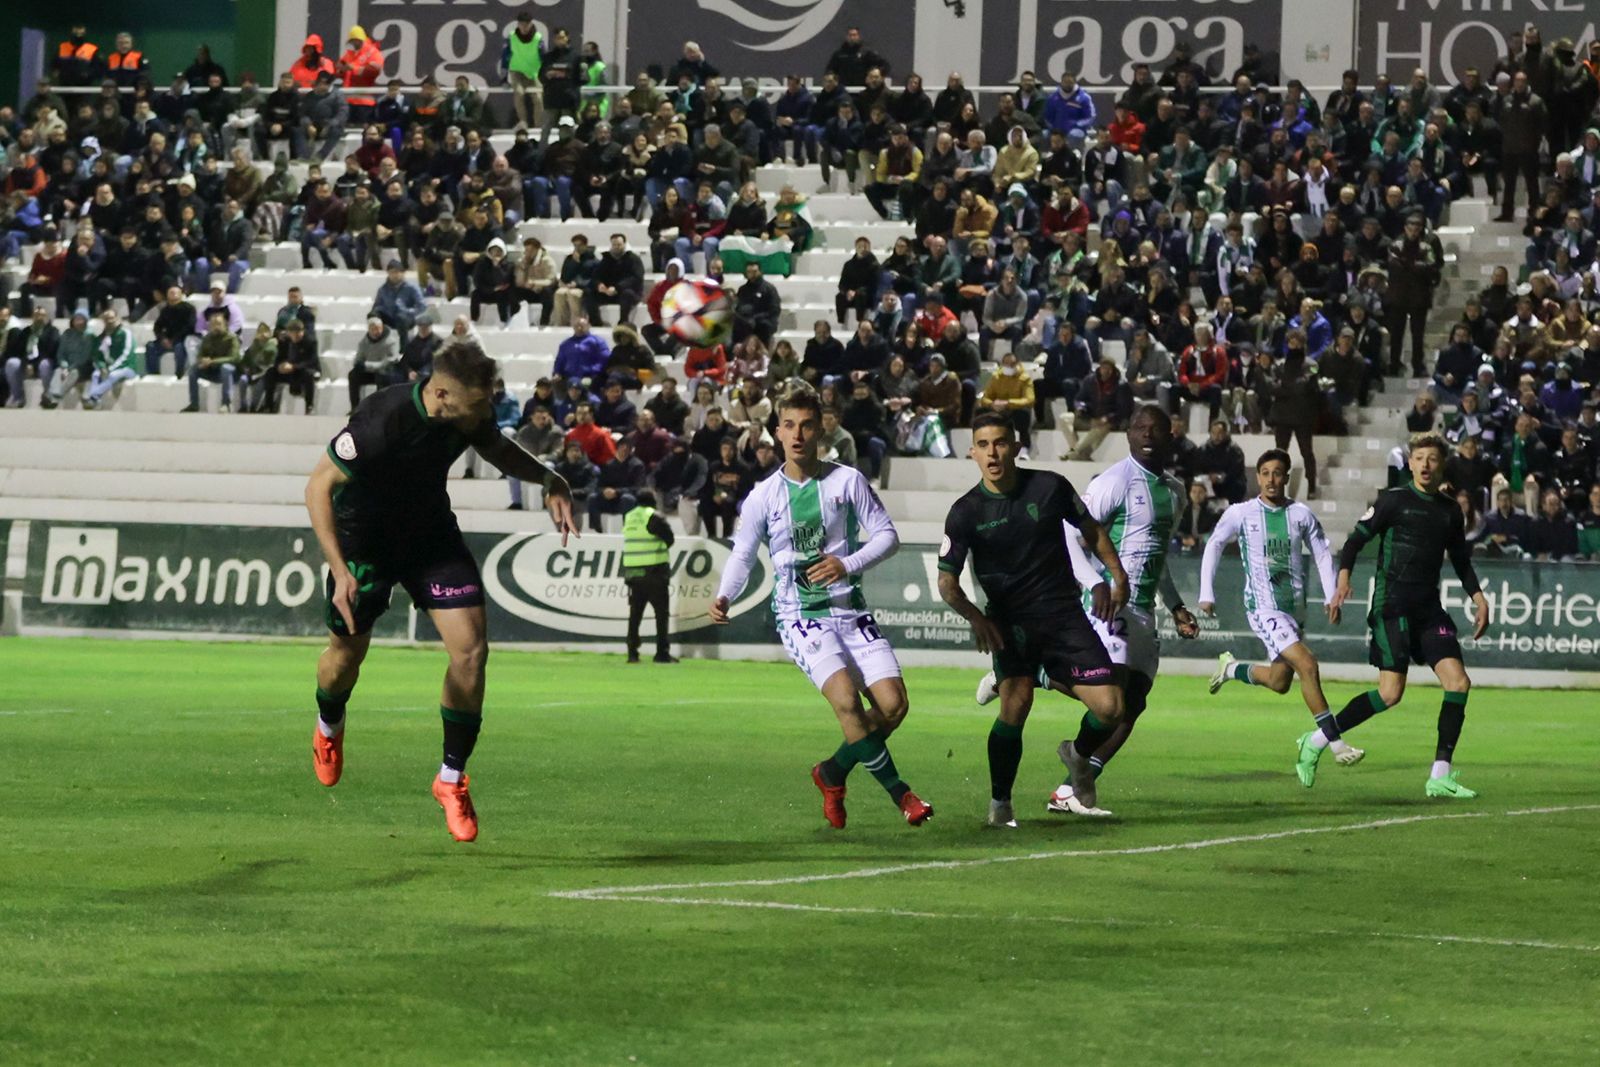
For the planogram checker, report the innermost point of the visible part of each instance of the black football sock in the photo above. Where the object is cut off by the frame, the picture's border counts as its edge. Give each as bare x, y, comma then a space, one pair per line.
1092, 733
1359, 710
1137, 696
330, 709
460, 736
1452, 713
837, 767
1005, 756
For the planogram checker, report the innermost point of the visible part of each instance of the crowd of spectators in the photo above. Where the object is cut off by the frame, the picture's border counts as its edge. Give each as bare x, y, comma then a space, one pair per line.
1199, 237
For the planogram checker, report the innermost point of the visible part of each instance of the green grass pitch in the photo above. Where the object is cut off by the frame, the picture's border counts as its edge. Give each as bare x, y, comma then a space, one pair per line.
177, 888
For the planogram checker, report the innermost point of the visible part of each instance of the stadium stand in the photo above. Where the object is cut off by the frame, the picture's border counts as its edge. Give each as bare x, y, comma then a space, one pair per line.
1119, 199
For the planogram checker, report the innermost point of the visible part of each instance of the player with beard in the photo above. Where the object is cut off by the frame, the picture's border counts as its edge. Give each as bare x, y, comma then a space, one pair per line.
381, 512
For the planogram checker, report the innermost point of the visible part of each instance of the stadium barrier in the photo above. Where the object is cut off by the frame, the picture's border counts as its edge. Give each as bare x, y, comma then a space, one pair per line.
145, 579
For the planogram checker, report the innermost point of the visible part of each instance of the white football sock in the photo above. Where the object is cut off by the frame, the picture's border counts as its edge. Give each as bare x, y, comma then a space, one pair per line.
328, 731
449, 775
1441, 768
1319, 740
1339, 746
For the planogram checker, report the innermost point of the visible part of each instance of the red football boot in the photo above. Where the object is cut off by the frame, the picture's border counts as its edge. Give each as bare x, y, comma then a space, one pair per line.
832, 799
916, 810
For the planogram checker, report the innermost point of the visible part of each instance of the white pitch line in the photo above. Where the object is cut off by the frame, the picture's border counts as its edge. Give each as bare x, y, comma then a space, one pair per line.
1079, 853
1059, 920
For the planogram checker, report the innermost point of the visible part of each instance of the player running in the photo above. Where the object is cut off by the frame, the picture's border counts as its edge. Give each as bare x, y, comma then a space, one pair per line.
1136, 502
1011, 524
1273, 534
381, 512
1415, 526
823, 526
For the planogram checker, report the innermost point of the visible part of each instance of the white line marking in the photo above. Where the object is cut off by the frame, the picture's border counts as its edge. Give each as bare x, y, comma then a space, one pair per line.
902, 913
603, 892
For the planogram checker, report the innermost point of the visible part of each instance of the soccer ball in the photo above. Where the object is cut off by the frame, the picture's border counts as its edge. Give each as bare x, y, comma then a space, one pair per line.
698, 313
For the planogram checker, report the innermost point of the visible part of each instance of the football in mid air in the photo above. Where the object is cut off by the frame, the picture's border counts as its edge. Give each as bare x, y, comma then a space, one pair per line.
698, 313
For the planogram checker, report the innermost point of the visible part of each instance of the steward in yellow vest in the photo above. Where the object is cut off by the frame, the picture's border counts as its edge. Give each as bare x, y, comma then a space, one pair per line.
646, 539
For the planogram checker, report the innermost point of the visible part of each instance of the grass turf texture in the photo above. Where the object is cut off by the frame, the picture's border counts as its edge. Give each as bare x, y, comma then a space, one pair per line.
178, 888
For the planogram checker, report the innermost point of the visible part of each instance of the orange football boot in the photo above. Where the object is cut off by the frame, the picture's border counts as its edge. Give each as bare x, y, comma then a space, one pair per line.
327, 756
459, 815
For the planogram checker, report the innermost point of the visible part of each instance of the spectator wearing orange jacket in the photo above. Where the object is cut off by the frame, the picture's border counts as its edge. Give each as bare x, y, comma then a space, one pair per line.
360, 66
311, 63
1127, 132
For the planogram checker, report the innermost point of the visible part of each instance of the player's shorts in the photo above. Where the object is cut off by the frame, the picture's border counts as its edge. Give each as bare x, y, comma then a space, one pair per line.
1277, 630
824, 647
1131, 641
1421, 634
1066, 646
443, 575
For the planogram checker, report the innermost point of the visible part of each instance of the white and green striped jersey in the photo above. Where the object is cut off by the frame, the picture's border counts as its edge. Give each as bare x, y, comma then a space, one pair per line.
1138, 508
1272, 544
834, 514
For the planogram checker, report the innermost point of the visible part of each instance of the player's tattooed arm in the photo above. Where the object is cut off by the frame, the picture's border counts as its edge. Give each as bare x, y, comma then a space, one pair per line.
320, 487
1107, 602
984, 630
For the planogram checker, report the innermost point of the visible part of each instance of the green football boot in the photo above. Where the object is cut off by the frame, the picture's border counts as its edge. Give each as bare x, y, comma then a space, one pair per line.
1305, 765
1449, 787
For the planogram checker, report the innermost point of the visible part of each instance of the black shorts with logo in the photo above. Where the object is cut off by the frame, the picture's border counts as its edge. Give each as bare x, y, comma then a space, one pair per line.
1066, 646
438, 573
1403, 634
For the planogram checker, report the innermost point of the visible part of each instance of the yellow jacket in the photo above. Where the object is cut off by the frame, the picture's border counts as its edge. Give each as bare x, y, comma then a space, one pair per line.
1016, 388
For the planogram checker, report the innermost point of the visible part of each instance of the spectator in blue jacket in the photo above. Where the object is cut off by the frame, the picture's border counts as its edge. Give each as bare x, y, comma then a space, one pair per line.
398, 301
790, 114
1067, 363
583, 355
1319, 332
1070, 110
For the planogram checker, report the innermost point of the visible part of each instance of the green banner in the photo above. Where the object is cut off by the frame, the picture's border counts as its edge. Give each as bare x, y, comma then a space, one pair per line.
190, 579
245, 580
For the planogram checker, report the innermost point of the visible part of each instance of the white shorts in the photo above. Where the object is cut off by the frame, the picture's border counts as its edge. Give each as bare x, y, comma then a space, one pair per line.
823, 647
1277, 630
1131, 640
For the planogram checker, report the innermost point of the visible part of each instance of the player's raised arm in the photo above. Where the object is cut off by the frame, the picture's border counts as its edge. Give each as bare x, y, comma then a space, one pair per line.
517, 462
1227, 529
752, 530
325, 478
